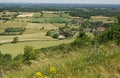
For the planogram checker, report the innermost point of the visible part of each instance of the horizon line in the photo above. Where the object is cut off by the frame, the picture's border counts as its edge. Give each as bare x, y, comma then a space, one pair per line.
55, 3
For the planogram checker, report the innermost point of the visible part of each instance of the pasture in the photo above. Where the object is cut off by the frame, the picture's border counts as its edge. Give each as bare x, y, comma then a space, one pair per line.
104, 19
18, 48
49, 20
36, 26
13, 24
51, 15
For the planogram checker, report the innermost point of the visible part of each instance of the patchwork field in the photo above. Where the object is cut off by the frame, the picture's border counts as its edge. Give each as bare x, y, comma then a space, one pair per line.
35, 33
36, 26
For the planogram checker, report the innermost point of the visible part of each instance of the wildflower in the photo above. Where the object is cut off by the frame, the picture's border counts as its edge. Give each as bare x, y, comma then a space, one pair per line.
38, 74
45, 77
53, 70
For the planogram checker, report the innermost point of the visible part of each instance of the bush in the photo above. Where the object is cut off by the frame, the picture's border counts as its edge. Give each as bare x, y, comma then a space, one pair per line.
82, 40
56, 35
49, 33
15, 40
113, 33
29, 53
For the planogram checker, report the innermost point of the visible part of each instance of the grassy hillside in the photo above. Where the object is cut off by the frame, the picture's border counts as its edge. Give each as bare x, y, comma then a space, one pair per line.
92, 62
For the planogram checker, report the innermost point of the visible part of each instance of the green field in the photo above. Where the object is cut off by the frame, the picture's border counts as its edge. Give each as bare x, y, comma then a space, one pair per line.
22, 19
49, 20
50, 15
37, 14
18, 48
1, 22
35, 26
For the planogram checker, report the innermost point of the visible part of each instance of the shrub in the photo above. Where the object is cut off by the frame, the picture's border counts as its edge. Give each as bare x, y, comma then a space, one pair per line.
56, 35
82, 40
29, 53
49, 33
15, 40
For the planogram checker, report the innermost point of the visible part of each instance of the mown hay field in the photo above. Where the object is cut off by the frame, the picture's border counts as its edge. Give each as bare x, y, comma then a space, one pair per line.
18, 48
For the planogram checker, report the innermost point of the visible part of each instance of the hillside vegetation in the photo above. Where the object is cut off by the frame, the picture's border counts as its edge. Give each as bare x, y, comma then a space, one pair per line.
85, 57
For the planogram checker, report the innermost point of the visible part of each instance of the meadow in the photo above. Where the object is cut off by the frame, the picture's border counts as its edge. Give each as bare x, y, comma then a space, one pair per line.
18, 48
104, 19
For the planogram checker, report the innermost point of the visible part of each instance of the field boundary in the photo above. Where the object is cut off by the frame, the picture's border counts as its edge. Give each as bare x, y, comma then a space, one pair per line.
1, 43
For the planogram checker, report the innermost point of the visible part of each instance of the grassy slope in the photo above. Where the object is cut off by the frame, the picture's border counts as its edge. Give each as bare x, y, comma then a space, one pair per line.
92, 62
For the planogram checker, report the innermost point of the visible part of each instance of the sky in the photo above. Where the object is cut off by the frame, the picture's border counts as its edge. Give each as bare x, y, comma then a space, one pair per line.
64, 1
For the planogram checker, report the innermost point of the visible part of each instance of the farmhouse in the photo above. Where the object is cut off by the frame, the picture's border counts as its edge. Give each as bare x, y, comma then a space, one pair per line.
61, 37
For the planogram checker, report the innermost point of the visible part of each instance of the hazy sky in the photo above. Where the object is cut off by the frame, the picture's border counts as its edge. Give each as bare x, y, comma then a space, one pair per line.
66, 1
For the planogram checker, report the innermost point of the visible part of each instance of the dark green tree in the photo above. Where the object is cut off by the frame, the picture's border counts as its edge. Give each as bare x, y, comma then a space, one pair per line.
56, 35
29, 54
15, 40
81, 41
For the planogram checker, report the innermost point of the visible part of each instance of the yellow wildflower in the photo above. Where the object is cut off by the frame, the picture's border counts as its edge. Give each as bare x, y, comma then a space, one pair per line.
52, 69
45, 77
38, 74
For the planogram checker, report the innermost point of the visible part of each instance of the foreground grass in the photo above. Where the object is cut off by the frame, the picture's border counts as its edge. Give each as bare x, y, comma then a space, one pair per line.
92, 62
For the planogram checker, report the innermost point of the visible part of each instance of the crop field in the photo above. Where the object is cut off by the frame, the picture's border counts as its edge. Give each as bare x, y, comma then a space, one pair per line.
50, 15
22, 19
38, 14
36, 26
59, 24
25, 15
65, 15
40, 35
49, 20
104, 19
13, 24
1, 21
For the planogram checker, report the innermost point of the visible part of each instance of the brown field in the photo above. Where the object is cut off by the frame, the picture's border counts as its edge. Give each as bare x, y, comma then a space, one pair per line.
104, 19
47, 26
100, 17
13, 24
25, 15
